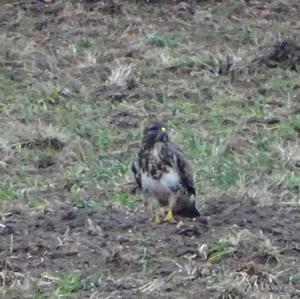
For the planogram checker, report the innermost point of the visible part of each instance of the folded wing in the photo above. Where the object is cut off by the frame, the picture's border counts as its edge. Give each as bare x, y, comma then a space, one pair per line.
184, 170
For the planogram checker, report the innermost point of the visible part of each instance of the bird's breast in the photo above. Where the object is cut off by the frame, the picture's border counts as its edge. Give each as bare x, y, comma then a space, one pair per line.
165, 183
170, 178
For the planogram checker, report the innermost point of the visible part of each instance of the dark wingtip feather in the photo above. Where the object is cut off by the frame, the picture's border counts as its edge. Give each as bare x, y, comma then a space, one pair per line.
189, 211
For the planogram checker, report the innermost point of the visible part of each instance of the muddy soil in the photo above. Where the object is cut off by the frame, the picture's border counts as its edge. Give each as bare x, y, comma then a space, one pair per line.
126, 247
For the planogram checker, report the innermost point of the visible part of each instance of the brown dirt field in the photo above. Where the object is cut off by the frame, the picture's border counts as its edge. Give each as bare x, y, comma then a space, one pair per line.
33, 245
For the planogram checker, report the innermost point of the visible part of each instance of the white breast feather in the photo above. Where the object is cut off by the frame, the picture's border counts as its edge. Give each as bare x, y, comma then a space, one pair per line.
168, 180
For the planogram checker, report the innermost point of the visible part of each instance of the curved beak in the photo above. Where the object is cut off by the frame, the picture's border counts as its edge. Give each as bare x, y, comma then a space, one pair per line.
163, 135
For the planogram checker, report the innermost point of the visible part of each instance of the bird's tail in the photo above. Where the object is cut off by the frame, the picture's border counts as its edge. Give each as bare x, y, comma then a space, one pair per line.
189, 211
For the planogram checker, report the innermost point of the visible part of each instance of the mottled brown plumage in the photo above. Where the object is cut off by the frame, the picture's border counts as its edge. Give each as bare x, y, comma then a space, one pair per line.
162, 171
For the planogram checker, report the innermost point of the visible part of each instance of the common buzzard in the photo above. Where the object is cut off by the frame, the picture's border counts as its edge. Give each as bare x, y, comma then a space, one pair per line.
162, 171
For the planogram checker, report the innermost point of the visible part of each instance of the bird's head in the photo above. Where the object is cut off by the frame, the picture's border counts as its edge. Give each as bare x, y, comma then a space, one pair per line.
154, 132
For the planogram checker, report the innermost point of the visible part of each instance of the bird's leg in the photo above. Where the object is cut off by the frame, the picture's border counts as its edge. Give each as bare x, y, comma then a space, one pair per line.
170, 217
155, 210
157, 216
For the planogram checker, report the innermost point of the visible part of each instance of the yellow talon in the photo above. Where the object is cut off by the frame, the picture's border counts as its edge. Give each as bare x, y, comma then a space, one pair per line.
169, 217
157, 216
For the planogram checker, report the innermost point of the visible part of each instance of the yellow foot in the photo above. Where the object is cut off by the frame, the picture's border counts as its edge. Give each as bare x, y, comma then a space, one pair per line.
169, 217
156, 216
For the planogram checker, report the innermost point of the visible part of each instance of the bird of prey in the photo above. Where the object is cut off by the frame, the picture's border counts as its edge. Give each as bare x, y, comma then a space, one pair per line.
162, 171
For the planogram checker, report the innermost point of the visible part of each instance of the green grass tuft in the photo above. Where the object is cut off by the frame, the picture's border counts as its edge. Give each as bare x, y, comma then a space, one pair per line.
161, 41
124, 199
68, 284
